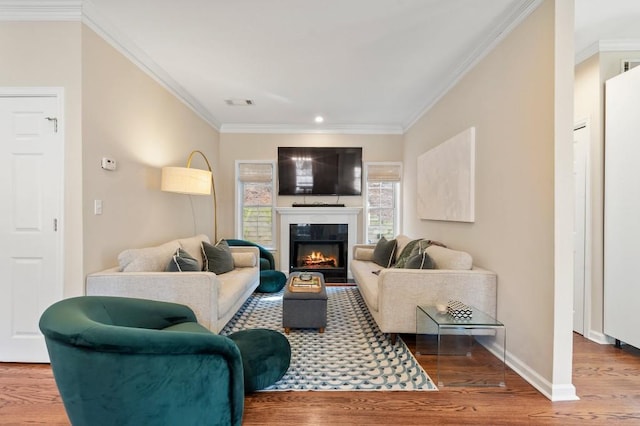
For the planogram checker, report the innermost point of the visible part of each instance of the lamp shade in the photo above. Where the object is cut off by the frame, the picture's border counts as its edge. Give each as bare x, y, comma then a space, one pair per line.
186, 180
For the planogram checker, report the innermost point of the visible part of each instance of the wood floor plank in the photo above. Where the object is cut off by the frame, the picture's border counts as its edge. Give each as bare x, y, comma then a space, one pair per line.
607, 380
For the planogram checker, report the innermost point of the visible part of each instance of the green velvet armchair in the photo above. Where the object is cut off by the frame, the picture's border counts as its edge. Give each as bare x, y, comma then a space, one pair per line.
123, 361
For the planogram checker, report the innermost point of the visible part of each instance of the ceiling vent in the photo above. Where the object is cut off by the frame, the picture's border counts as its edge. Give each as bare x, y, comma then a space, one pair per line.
627, 64
239, 102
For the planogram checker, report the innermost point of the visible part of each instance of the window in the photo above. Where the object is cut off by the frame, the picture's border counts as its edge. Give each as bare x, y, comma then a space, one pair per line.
256, 202
382, 200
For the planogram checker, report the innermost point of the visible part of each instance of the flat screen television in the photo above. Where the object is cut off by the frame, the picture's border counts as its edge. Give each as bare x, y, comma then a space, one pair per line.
319, 171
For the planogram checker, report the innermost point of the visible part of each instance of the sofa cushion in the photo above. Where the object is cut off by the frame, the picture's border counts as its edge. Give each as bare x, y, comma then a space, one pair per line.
244, 260
445, 258
406, 253
384, 253
182, 262
149, 259
218, 258
401, 243
419, 261
192, 245
363, 253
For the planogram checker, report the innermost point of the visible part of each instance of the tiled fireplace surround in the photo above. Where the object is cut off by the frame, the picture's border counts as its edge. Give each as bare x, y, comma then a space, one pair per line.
315, 215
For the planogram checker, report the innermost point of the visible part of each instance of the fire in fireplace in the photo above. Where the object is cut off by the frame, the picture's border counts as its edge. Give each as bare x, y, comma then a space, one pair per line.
319, 248
317, 259
311, 257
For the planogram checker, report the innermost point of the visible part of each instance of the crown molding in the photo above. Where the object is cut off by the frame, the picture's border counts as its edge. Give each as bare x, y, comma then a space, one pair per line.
587, 52
94, 20
301, 129
626, 45
38, 10
86, 12
518, 13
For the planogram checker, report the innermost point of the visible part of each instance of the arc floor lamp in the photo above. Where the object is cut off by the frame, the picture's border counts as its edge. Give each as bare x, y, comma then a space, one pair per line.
185, 180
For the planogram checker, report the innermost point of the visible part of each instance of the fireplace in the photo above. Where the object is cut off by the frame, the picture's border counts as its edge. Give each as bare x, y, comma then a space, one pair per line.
321, 248
287, 216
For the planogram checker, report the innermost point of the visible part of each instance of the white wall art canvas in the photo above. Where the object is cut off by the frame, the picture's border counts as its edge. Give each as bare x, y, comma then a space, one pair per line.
446, 179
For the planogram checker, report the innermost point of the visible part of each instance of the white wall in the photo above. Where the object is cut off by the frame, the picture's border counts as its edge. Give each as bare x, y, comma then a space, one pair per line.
509, 97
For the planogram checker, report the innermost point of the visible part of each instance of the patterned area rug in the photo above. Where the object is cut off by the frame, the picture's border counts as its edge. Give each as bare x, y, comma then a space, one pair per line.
352, 353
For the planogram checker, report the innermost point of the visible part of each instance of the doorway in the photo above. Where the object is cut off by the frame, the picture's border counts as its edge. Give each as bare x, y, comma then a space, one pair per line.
581, 268
31, 184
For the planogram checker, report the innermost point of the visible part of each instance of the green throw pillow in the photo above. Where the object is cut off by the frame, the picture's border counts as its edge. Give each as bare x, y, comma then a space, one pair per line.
182, 261
419, 247
419, 261
218, 258
405, 254
384, 253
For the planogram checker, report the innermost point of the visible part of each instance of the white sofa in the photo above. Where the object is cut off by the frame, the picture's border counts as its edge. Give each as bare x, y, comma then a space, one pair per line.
213, 298
393, 294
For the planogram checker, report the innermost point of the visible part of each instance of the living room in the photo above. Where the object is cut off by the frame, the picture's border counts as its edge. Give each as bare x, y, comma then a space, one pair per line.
519, 97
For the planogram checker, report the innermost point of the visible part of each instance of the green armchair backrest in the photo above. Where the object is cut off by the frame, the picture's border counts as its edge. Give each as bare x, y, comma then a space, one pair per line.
124, 361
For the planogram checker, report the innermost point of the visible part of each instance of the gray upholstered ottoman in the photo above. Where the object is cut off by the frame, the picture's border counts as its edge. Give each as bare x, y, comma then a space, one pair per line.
304, 303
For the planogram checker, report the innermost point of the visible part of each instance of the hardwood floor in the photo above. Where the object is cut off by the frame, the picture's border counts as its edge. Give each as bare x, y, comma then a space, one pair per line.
607, 380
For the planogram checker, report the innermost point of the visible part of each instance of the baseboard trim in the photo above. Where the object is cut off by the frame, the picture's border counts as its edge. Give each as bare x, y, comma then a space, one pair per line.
561, 392
601, 338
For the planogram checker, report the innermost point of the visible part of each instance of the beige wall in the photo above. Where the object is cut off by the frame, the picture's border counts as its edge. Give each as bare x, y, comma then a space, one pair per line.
128, 116
48, 54
247, 146
111, 109
509, 98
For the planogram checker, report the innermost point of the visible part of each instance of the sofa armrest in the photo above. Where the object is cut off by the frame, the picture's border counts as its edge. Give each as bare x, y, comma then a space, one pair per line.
263, 252
362, 247
198, 290
400, 291
247, 249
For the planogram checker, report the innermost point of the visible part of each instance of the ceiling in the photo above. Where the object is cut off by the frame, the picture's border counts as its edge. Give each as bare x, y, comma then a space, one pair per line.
366, 66
614, 22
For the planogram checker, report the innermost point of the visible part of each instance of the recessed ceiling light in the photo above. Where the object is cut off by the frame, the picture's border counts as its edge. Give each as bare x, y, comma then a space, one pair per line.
319, 119
239, 102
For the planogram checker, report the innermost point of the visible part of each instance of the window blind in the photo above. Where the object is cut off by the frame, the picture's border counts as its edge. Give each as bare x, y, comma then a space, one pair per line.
384, 172
255, 172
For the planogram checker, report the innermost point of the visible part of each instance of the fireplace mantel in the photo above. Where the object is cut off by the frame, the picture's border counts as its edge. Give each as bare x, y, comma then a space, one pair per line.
314, 215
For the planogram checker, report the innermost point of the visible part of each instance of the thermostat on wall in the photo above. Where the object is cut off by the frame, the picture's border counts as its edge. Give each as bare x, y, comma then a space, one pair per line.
108, 163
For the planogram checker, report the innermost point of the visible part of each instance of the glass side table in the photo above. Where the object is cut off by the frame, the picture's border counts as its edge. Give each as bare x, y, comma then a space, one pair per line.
470, 352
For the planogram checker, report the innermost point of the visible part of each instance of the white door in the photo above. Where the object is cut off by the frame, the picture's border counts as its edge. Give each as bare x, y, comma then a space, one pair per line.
622, 208
31, 177
580, 145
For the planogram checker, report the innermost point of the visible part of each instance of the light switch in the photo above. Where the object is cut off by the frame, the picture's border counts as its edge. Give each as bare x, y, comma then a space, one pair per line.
97, 207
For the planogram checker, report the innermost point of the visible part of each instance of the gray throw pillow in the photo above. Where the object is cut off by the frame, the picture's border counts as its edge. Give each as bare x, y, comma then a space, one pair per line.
218, 258
182, 262
419, 261
384, 253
